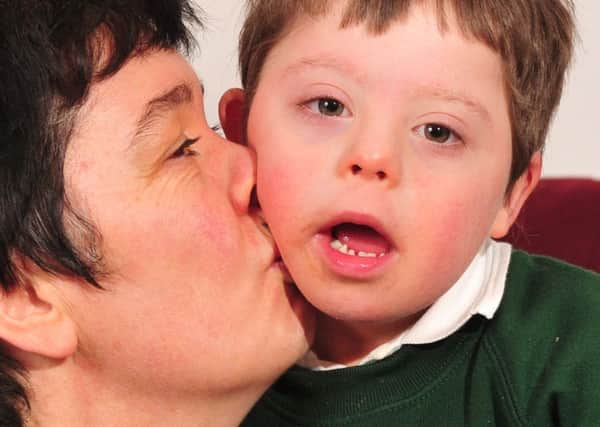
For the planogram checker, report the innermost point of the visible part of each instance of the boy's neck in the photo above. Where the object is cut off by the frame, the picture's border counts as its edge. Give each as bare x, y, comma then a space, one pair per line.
346, 342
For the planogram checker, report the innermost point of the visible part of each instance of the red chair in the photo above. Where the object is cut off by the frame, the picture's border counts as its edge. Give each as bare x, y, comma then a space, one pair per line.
561, 219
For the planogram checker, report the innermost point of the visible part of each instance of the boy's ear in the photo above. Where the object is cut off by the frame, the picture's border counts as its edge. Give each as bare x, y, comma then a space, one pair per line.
34, 320
517, 196
232, 107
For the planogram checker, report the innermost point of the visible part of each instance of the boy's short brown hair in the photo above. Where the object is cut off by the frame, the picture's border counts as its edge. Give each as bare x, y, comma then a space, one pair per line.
534, 39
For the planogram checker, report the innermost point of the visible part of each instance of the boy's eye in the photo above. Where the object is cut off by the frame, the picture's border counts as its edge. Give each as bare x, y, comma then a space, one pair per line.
437, 133
185, 149
327, 107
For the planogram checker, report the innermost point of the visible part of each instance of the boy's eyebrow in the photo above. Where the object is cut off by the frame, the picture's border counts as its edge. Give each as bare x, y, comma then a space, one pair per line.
324, 62
456, 98
159, 105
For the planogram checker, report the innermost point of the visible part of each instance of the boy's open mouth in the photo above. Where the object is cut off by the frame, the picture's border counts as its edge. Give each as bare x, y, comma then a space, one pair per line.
358, 240
355, 246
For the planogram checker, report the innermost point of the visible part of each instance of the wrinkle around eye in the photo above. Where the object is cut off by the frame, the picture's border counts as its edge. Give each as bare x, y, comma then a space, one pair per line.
174, 180
161, 155
185, 149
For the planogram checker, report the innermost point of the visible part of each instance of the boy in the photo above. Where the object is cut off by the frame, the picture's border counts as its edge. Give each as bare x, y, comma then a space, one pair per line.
401, 136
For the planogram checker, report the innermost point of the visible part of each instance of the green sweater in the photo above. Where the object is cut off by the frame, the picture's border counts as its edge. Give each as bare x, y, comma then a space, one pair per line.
536, 363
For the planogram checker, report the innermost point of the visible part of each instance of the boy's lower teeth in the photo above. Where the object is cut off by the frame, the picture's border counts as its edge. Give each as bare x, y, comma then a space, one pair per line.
343, 248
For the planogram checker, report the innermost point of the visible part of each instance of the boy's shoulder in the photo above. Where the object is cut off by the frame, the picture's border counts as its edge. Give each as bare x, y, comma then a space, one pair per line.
540, 287
544, 338
547, 302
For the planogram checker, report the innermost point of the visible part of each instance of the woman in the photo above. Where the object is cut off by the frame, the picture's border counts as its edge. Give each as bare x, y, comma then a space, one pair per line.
139, 286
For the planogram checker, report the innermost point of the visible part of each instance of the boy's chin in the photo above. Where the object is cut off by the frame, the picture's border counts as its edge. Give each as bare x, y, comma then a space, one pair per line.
362, 308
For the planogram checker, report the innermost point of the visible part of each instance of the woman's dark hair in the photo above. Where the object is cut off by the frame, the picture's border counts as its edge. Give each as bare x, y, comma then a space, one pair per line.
51, 52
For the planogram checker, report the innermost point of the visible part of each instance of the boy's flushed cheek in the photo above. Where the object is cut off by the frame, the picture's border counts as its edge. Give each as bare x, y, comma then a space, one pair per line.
277, 189
287, 200
453, 216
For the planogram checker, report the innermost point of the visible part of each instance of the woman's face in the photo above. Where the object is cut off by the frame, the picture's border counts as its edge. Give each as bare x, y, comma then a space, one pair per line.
194, 300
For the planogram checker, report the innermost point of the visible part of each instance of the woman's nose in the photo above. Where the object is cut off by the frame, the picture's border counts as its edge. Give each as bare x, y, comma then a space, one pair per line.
243, 176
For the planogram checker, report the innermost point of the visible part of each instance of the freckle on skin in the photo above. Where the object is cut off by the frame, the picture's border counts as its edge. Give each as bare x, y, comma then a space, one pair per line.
83, 166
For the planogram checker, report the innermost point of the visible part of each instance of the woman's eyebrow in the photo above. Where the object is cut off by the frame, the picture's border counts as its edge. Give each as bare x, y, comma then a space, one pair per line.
160, 105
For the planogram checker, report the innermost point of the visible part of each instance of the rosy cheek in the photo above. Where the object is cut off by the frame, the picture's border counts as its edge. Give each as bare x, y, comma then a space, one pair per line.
176, 235
211, 231
463, 228
277, 186
444, 216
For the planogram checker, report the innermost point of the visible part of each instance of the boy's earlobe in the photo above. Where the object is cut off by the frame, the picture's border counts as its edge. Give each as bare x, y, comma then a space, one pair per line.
517, 196
232, 110
35, 324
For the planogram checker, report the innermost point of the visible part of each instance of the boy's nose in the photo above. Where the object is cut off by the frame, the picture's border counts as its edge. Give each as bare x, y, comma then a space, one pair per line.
371, 159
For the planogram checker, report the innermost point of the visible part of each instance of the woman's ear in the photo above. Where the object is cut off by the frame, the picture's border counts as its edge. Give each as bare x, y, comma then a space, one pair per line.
232, 111
517, 196
34, 320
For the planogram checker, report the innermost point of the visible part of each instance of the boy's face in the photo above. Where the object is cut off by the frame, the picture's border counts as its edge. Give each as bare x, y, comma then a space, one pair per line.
397, 146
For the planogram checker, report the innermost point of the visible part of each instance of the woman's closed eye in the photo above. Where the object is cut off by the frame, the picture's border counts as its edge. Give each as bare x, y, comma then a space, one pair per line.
185, 149
438, 133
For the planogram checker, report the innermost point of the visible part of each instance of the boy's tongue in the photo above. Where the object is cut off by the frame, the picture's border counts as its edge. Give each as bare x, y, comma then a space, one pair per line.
361, 238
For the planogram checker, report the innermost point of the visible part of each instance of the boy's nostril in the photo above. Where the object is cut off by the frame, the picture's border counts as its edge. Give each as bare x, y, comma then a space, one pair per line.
356, 169
381, 175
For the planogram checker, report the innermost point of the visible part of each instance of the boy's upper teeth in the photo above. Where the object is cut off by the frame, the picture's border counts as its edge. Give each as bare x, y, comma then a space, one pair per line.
343, 248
